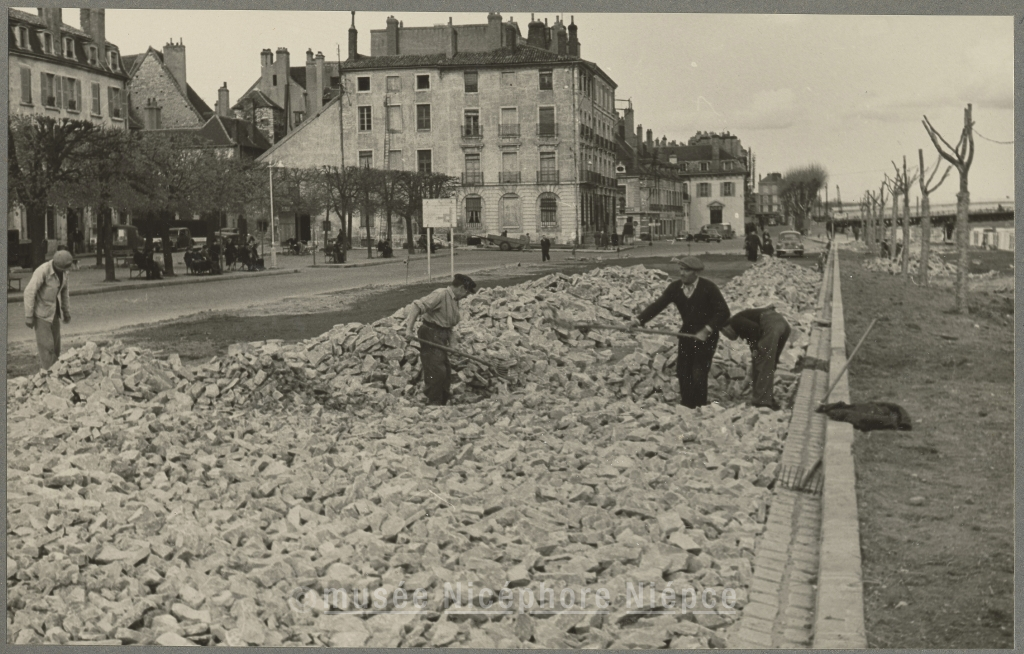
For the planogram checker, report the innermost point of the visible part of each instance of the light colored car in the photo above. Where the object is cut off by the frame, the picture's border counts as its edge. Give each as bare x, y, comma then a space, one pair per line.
789, 244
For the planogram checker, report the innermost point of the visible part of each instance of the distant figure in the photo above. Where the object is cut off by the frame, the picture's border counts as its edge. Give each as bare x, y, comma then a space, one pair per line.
47, 301
215, 257
766, 245
752, 245
339, 248
504, 233
545, 249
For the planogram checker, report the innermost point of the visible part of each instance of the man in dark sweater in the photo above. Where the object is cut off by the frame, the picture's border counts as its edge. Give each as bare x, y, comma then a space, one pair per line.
704, 312
766, 332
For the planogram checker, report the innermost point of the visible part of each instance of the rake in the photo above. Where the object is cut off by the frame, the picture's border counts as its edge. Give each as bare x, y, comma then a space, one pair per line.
805, 480
502, 368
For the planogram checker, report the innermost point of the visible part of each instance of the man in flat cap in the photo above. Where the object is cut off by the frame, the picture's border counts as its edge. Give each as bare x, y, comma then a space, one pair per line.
766, 332
440, 311
46, 302
704, 313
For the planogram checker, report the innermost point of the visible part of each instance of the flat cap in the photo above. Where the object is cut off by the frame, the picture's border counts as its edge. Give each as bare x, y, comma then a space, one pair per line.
691, 263
62, 260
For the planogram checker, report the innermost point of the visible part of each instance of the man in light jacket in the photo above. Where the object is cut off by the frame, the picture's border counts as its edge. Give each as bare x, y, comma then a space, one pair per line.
46, 302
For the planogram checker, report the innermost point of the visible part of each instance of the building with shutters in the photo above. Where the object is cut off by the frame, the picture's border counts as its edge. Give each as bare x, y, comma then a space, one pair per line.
524, 123
62, 71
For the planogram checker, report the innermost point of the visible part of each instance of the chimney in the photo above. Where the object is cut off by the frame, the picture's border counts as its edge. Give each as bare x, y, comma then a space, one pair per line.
574, 43
353, 37
451, 40
94, 24
392, 36
639, 136
321, 81
627, 119
266, 68
223, 103
494, 30
714, 150
511, 39
535, 35
650, 141
560, 38
311, 106
174, 59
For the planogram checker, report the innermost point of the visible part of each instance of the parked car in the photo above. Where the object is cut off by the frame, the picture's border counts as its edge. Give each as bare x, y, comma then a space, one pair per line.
683, 236
180, 238
726, 230
707, 234
789, 244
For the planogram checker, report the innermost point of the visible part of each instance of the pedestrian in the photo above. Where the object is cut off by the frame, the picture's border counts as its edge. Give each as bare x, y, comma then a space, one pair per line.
215, 256
766, 332
766, 245
47, 301
440, 311
704, 312
545, 249
753, 244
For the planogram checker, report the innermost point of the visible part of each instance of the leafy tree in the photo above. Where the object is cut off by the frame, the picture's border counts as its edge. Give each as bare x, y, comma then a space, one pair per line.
342, 188
799, 192
367, 184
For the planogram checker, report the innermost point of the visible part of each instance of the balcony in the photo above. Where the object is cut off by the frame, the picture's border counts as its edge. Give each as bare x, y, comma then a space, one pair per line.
509, 131
473, 179
590, 177
545, 130
547, 176
472, 131
505, 177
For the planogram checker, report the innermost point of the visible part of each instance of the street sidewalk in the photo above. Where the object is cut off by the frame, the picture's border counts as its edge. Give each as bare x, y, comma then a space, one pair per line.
88, 279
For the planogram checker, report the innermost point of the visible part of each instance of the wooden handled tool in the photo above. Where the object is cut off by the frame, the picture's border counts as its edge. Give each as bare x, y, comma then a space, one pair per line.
619, 328
501, 370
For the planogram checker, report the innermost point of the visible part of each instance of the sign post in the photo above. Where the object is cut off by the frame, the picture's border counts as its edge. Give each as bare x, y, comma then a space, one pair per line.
439, 213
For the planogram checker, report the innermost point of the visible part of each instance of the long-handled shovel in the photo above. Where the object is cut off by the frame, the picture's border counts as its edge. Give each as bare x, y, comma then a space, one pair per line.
502, 369
568, 324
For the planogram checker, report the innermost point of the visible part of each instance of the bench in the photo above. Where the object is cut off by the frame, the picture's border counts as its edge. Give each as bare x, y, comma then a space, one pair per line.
11, 281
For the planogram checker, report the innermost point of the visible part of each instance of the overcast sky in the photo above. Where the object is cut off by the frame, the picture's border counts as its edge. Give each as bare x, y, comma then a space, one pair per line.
847, 92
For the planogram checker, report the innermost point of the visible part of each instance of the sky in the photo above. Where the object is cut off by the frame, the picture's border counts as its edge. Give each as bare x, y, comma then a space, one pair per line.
846, 92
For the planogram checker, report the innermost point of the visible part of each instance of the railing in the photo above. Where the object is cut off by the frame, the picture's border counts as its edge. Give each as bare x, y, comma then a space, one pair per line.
511, 130
473, 179
472, 131
545, 130
506, 177
547, 176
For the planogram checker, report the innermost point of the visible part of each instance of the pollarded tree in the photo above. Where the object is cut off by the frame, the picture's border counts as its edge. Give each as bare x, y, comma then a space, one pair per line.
926, 213
960, 157
799, 192
905, 180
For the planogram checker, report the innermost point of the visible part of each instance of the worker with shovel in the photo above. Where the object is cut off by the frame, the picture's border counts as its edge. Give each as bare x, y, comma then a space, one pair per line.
704, 312
766, 332
440, 311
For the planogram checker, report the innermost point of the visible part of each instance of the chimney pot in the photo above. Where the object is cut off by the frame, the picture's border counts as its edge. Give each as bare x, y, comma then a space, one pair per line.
353, 37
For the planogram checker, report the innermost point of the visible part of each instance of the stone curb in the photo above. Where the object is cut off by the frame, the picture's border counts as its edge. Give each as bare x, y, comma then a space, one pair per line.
839, 614
178, 280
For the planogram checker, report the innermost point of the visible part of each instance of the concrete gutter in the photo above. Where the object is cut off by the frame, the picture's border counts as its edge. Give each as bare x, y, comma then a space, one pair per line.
839, 615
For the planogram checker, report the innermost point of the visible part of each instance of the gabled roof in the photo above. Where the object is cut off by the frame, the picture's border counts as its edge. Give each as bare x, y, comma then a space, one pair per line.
258, 97
38, 20
132, 63
225, 131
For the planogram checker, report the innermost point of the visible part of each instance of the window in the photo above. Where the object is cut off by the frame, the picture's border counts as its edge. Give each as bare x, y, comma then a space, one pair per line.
115, 99
395, 122
545, 80
395, 160
471, 126
362, 84
365, 119
26, 85
474, 207
113, 60
72, 94
548, 210
69, 47
546, 125
686, 166
470, 77
394, 83
23, 38
366, 158
47, 90
473, 174
508, 79
510, 211
47, 43
704, 166
510, 167
509, 121
728, 189
273, 80
422, 82
93, 55
548, 171
423, 117
704, 190
96, 109
296, 117
423, 161
686, 191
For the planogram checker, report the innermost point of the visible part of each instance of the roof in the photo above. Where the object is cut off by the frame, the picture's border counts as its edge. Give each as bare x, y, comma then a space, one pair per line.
132, 63
224, 130
258, 97
693, 153
38, 20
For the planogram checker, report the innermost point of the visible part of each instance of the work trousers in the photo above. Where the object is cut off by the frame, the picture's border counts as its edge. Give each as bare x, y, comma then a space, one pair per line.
693, 364
774, 334
437, 371
48, 340
545, 254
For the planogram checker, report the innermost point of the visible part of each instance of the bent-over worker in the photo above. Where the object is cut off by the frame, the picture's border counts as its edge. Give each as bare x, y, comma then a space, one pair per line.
704, 311
47, 301
766, 332
440, 311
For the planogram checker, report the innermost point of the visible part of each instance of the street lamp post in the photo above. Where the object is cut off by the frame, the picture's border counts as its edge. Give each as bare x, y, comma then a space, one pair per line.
273, 230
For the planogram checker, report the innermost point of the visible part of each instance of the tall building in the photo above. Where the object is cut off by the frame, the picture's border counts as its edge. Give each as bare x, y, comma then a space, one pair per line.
769, 204
64, 72
504, 114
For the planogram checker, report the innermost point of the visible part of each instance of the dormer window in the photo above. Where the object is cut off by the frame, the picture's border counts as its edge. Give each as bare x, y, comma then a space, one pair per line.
22, 37
47, 43
69, 47
94, 55
704, 166
112, 60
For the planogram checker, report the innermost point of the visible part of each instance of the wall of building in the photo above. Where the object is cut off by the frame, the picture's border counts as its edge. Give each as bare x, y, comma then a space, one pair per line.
85, 77
153, 80
733, 206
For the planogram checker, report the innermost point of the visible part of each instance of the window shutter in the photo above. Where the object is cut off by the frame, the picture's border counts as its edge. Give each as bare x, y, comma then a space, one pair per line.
26, 85
42, 89
78, 95
58, 91
111, 107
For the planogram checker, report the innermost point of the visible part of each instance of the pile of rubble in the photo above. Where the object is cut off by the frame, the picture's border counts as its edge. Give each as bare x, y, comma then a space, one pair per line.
254, 499
936, 266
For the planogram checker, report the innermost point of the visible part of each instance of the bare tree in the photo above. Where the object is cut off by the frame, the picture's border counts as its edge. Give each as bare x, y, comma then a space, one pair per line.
904, 182
893, 186
799, 192
961, 157
926, 214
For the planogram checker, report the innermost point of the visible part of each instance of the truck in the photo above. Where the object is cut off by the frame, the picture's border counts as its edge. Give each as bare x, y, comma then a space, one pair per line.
506, 243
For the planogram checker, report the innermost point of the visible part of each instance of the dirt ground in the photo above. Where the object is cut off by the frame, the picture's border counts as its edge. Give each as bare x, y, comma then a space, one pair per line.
936, 503
199, 337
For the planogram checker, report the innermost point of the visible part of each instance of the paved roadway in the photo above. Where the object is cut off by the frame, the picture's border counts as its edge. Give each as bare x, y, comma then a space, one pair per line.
106, 312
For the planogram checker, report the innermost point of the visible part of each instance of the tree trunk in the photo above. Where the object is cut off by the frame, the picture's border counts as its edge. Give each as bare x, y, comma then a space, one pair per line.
963, 205
35, 221
926, 237
369, 235
411, 245
348, 232
389, 225
164, 226
108, 245
892, 228
906, 235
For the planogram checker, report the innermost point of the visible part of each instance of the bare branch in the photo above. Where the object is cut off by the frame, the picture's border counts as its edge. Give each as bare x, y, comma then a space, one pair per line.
935, 137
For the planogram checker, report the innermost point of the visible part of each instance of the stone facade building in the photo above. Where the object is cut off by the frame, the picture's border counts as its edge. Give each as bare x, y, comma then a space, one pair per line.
504, 114
61, 71
769, 204
158, 90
